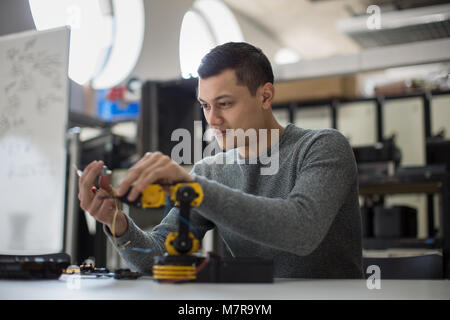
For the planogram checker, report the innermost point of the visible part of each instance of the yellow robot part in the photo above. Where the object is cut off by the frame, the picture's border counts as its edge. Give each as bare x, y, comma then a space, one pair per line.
197, 188
153, 196
171, 248
174, 272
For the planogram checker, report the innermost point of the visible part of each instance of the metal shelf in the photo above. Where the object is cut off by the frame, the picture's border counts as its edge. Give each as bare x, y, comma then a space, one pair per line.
410, 243
429, 181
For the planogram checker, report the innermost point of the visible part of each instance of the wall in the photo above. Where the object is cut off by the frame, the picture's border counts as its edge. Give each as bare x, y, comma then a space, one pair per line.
159, 58
15, 16
258, 36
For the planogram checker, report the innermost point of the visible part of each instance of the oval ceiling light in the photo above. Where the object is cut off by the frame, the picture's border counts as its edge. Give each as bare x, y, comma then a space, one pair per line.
106, 36
195, 42
128, 37
90, 34
221, 20
207, 24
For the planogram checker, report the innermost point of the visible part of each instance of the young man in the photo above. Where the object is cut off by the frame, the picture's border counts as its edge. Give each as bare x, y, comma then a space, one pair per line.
304, 215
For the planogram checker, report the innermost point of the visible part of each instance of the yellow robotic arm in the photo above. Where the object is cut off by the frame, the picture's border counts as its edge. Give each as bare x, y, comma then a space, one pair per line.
184, 195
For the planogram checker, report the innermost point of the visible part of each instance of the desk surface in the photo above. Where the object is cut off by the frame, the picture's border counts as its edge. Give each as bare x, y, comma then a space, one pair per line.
282, 289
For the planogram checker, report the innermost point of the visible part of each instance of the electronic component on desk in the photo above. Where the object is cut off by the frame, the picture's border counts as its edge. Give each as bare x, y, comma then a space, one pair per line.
90, 269
87, 271
126, 274
49, 266
72, 269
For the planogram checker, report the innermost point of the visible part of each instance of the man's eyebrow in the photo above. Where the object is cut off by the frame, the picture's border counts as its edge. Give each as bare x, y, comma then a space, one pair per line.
216, 98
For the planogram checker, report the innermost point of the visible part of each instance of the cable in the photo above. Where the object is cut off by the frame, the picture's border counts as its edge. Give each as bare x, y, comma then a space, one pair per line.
113, 227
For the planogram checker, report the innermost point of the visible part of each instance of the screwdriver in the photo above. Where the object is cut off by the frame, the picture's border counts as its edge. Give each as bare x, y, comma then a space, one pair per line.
104, 172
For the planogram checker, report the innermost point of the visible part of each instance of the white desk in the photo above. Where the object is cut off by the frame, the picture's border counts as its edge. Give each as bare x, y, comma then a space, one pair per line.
146, 288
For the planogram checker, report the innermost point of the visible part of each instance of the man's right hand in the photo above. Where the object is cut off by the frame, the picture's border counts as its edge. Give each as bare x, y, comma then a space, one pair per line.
95, 203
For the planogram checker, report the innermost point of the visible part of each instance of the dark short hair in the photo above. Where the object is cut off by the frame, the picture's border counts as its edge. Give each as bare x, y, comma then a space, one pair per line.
251, 65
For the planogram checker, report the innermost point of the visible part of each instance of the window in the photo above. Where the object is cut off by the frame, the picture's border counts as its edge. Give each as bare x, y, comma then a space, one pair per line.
207, 24
106, 36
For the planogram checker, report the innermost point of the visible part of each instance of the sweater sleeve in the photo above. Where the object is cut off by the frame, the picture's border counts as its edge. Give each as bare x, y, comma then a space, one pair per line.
325, 174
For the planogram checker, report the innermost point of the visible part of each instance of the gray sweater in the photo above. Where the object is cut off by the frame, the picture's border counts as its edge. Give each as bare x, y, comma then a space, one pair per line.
305, 217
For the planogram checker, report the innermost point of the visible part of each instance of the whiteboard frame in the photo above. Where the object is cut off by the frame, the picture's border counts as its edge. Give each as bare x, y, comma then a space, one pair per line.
66, 104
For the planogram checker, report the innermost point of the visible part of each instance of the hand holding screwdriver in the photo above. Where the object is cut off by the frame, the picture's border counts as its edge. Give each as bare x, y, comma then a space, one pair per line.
97, 201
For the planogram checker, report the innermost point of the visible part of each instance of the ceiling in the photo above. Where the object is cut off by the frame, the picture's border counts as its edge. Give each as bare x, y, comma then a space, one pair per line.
310, 26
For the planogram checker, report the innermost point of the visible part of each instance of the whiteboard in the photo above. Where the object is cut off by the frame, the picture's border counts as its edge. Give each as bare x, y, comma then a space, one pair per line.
33, 124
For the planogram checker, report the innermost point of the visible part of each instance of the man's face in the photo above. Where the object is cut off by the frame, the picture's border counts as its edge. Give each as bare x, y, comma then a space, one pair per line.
227, 105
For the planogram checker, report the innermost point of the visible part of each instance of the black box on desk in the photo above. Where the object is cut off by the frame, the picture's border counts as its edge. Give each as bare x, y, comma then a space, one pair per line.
395, 221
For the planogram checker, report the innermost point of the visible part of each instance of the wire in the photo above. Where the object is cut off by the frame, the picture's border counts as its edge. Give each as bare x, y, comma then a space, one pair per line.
113, 227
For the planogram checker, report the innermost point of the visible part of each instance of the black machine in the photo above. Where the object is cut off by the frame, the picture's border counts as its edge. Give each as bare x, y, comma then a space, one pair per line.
48, 266
377, 160
165, 107
114, 150
438, 151
52, 266
395, 221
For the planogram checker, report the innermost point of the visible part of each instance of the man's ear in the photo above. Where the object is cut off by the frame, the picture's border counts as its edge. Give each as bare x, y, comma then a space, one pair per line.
267, 92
